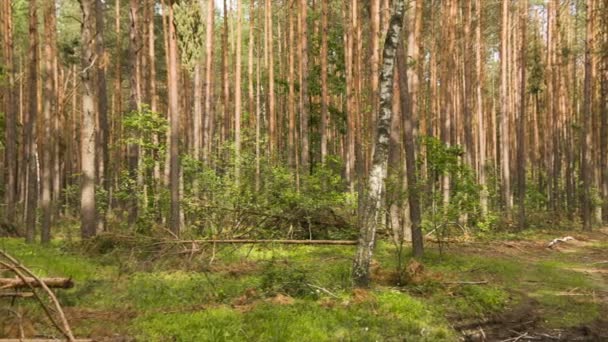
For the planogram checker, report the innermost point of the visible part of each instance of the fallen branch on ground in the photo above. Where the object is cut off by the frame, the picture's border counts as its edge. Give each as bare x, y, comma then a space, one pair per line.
560, 240
52, 283
283, 242
466, 282
24, 273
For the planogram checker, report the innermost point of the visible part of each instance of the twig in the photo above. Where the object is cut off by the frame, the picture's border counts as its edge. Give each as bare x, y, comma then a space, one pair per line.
466, 282
324, 290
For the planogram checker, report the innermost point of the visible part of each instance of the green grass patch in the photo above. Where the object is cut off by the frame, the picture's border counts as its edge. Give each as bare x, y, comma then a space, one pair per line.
393, 317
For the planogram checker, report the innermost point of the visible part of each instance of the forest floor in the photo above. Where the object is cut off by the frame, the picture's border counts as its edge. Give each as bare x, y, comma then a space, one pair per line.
500, 288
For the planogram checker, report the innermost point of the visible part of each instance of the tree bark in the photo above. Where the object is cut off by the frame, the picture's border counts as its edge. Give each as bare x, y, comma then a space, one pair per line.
373, 197
173, 84
11, 113
409, 142
586, 127
304, 119
49, 109
88, 211
209, 113
521, 126
504, 113
237, 96
30, 129
103, 157
324, 88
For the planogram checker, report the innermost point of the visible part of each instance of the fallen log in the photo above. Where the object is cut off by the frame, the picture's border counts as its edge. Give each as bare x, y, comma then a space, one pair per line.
39, 340
18, 283
282, 242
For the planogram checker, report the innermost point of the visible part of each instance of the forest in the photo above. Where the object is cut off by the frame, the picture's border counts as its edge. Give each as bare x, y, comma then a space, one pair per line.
304, 170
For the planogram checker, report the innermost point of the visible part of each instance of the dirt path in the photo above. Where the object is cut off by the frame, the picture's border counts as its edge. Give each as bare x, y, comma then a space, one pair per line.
585, 257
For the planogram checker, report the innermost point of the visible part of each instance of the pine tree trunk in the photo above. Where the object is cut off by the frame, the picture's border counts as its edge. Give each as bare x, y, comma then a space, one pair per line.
237, 96
521, 126
209, 113
103, 157
11, 113
173, 84
409, 142
586, 124
87, 127
49, 109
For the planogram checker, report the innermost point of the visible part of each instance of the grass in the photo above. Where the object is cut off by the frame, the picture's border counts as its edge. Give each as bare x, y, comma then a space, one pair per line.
237, 298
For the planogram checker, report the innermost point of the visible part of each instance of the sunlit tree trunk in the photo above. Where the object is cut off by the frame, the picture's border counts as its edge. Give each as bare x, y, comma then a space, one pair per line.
49, 109
237, 95
304, 87
88, 211
173, 84
372, 210
209, 113
481, 133
324, 87
504, 113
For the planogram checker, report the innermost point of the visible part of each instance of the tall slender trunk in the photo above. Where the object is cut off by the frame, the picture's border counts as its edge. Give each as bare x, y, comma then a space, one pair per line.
324, 90
504, 112
586, 127
481, 134
49, 109
521, 126
409, 142
373, 202
173, 84
209, 113
291, 110
237, 95
103, 156
88, 211
30, 129
272, 140
304, 119
11, 113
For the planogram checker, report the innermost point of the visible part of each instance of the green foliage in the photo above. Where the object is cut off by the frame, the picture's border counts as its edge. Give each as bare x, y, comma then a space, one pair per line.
292, 281
190, 24
446, 161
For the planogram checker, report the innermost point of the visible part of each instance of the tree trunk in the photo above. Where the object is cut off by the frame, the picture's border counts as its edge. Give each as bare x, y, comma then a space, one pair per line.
409, 142
481, 135
271, 99
304, 119
103, 157
504, 112
88, 211
586, 127
173, 84
49, 109
209, 113
237, 96
521, 126
324, 90
11, 113
30, 129
371, 212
